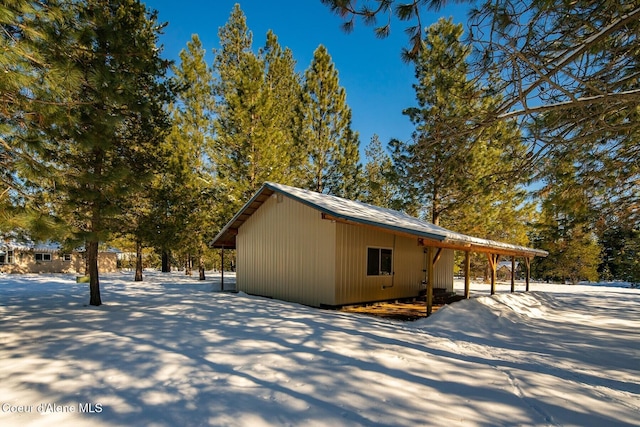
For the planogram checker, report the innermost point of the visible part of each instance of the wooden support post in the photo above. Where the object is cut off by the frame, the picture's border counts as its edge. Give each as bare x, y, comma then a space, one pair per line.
493, 260
222, 270
527, 266
467, 274
429, 281
513, 274
436, 257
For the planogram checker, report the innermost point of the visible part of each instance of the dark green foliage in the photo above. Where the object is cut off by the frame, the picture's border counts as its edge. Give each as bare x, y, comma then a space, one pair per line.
91, 158
256, 99
621, 253
464, 181
32, 93
325, 126
566, 71
564, 228
190, 170
378, 188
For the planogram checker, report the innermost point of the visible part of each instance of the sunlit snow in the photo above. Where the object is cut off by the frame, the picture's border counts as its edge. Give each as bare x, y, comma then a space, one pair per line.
172, 351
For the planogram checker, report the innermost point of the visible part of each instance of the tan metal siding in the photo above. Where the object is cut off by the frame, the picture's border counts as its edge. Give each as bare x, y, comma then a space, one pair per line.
287, 251
410, 264
352, 283
443, 271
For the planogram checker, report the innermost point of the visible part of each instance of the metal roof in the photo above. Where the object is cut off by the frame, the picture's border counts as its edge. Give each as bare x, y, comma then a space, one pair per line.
358, 213
42, 247
27, 245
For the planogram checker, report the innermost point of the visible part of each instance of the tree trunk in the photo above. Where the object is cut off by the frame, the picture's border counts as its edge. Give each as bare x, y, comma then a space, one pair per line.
94, 281
187, 266
201, 268
166, 267
138, 277
435, 206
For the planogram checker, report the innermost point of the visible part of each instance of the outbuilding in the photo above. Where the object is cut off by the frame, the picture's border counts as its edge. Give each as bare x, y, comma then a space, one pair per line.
26, 256
325, 251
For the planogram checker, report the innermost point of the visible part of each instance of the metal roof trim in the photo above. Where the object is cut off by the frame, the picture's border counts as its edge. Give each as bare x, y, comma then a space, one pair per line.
369, 215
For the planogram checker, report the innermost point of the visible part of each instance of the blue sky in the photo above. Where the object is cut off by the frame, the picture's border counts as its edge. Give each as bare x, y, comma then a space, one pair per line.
378, 83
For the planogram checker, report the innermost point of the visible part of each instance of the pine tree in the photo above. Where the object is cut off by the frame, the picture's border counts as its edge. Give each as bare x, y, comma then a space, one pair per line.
325, 124
284, 86
568, 73
378, 188
253, 139
437, 159
465, 181
33, 90
190, 142
93, 165
573, 257
620, 243
565, 227
146, 133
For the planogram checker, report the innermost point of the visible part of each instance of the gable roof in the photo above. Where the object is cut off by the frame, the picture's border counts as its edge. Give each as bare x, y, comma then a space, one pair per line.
358, 213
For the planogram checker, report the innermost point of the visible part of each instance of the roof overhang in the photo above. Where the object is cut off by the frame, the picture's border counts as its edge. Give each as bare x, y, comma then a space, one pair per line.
482, 245
226, 238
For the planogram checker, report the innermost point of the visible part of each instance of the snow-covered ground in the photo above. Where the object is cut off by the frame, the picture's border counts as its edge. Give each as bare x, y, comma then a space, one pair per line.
170, 352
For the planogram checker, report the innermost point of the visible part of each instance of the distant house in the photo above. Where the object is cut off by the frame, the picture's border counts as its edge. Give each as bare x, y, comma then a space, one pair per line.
31, 257
326, 251
504, 270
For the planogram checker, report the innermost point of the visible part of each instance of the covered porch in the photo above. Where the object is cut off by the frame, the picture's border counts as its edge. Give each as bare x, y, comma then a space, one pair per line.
491, 249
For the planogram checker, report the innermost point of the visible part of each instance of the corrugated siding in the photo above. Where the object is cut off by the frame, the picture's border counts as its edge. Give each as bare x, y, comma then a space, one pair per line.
352, 283
286, 251
443, 273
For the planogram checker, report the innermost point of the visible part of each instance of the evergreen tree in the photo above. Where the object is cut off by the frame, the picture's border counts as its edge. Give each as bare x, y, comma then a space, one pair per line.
466, 182
567, 73
573, 257
33, 91
577, 58
565, 227
253, 138
378, 189
192, 183
284, 86
325, 124
146, 133
437, 160
620, 251
231, 61
93, 167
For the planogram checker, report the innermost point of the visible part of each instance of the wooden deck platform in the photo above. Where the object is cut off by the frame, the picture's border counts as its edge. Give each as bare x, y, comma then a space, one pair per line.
400, 310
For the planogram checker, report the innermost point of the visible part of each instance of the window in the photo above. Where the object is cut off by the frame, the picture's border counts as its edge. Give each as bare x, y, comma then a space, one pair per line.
66, 257
43, 257
379, 262
6, 257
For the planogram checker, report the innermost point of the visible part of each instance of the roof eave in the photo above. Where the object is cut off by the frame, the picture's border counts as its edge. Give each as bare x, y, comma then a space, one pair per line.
226, 238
